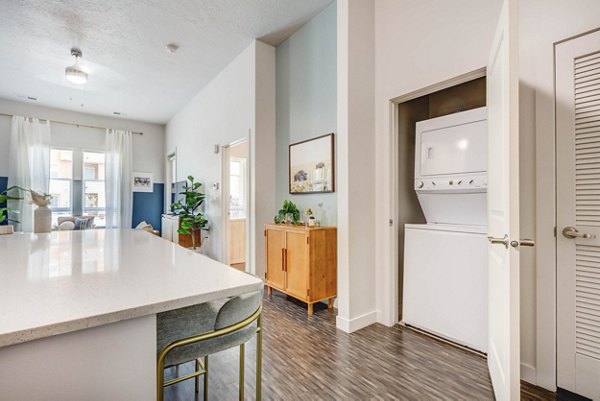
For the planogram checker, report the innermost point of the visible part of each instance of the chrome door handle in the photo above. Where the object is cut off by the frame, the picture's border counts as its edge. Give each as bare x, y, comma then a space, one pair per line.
523, 242
572, 232
499, 241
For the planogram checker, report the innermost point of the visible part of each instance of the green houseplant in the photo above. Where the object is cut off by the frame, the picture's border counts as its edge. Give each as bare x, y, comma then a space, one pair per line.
288, 207
192, 220
5, 210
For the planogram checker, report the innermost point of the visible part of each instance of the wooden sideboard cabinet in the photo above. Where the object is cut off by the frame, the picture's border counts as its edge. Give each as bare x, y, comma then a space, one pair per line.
302, 262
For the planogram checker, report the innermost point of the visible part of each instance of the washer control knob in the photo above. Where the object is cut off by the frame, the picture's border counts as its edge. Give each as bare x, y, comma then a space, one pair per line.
433, 183
459, 182
420, 184
471, 182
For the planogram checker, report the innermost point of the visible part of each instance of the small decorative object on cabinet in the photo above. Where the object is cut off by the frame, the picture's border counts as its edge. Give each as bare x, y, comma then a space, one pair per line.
288, 213
301, 262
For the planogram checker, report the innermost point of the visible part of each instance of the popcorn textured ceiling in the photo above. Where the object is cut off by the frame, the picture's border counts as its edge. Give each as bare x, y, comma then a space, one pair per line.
123, 44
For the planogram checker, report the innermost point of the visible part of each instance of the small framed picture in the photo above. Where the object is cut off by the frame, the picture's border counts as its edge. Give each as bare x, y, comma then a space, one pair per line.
143, 182
311, 166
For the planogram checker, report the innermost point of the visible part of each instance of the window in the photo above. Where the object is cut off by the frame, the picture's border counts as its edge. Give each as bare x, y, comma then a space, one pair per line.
80, 194
94, 195
61, 182
237, 190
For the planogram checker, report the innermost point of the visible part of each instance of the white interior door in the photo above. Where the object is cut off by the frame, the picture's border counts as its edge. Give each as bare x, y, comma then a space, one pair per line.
578, 214
503, 207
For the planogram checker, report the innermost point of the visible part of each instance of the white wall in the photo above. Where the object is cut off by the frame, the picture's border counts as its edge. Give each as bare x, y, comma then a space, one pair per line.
148, 150
262, 154
422, 42
356, 164
221, 113
225, 111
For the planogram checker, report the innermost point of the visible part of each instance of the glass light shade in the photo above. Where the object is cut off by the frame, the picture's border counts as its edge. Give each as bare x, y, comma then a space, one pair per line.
76, 75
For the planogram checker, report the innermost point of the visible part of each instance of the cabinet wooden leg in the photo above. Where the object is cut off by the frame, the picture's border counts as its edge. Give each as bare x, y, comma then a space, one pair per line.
310, 309
330, 303
269, 291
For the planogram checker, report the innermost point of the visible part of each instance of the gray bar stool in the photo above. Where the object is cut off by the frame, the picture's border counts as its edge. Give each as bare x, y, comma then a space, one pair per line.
195, 332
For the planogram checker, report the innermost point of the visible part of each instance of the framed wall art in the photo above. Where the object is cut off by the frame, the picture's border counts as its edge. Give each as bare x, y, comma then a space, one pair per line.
143, 182
312, 166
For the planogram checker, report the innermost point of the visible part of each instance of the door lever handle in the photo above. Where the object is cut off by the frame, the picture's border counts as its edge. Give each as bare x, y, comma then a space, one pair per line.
499, 241
572, 232
523, 242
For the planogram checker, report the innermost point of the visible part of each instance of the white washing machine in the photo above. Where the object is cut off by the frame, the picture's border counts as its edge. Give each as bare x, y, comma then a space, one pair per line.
445, 260
445, 282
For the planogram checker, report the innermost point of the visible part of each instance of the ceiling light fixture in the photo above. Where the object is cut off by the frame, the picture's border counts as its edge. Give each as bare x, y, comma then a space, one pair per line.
74, 73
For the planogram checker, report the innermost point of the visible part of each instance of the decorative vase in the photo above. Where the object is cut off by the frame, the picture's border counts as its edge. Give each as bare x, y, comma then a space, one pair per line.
42, 220
9, 229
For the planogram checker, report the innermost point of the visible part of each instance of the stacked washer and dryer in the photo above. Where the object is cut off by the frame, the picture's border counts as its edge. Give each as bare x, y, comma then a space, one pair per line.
445, 260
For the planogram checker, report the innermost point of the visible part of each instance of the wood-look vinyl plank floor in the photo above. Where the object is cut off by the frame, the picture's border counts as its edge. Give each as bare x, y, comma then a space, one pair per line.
307, 358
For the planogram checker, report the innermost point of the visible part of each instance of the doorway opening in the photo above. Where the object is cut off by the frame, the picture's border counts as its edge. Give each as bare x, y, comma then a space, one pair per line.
235, 193
441, 210
170, 180
436, 101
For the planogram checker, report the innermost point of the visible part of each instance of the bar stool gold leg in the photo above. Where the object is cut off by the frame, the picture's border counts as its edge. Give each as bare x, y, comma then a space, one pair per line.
242, 364
259, 358
206, 378
197, 379
160, 379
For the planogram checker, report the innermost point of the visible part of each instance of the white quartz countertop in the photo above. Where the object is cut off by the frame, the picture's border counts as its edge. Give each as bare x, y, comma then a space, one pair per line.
70, 280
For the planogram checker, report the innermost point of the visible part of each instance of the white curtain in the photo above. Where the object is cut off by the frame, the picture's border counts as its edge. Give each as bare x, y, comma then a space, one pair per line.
29, 164
119, 198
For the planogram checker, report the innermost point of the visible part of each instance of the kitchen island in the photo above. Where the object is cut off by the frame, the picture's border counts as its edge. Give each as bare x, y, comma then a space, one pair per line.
78, 310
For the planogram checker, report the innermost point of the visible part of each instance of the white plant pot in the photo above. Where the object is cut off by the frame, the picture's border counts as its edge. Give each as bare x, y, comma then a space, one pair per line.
9, 229
42, 220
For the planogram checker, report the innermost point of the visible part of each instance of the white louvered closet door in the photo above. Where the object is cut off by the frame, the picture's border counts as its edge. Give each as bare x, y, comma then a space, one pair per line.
578, 214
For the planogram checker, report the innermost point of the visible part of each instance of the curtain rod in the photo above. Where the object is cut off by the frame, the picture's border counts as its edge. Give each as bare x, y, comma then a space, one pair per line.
74, 124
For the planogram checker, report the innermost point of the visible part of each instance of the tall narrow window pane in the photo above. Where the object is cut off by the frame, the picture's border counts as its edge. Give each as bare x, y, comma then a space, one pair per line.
237, 201
61, 183
94, 196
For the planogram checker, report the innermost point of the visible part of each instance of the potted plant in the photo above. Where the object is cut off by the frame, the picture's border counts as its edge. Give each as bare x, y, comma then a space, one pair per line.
288, 213
192, 221
4, 211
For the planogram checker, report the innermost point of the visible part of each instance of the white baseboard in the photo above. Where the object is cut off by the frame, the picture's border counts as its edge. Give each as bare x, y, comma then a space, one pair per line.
528, 373
357, 323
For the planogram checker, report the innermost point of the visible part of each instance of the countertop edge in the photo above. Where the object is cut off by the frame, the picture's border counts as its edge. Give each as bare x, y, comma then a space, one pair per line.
36, 333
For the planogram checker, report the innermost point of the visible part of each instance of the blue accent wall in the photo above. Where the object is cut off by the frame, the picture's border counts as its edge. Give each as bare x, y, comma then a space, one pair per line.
148, 206
3, 186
